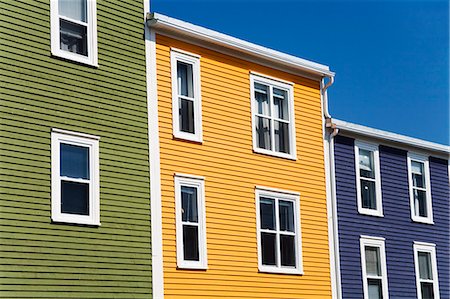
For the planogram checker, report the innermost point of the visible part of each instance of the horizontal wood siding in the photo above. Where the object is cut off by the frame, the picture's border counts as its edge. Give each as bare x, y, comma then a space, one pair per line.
41, 259
231, 172
396, 226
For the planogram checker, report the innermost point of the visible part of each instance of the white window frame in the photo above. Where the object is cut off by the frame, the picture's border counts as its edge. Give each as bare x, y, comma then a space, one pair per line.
193, 59
422, 159
84, 140
429, 248
92, 58
379, 243
280, 84
280, 195
378, 193
199, 183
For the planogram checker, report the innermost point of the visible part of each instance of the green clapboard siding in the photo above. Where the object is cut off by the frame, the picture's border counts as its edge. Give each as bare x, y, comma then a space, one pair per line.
38, 258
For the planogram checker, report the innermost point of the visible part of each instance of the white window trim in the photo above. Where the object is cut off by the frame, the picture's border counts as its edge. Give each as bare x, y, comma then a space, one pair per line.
292, 135
284, 195
199, 183
92, 58
373, 242
430, 248
423, 159
194, 60
378, 193
92, 142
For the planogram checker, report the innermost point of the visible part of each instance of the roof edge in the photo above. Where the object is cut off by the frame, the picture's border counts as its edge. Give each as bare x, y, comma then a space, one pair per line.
160, 21
391, 137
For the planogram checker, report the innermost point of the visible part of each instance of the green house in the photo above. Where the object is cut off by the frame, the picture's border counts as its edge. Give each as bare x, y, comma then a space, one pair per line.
74, 156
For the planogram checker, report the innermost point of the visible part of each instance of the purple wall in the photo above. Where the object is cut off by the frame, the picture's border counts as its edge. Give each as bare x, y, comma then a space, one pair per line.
396, 226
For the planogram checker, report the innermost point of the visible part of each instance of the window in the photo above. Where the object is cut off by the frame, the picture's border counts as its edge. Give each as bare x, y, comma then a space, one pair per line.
419, 188
75, 178
186, 98
426, 271
74, 30
373, 264
278, 228
191, 222
273, 117
368, 181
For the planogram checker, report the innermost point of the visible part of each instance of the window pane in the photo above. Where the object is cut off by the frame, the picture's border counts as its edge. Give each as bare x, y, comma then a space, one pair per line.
262, 99
425, 270
189, 204
427, 290
287, 244
190, 242
73, 37
263, 133
268, 248
186, 114
185, 79
74, 9
373, 261
286, 211
74, 161
420, 199
375, 289
280, 102
366, 164
282, 137
74, 198
267, 213
368, 194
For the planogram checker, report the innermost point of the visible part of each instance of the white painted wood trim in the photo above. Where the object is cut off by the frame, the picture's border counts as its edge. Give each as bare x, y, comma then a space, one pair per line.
430, 248
374, 242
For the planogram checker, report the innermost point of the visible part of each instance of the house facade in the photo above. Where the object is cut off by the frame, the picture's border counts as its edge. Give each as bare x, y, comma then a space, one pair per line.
74, 192
391, 198
239, 204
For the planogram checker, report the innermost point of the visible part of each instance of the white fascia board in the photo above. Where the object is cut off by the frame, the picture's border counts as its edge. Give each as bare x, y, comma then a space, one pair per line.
159, 21
356, 129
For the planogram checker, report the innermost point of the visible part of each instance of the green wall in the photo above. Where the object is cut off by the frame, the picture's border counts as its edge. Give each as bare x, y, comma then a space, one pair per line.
38, 258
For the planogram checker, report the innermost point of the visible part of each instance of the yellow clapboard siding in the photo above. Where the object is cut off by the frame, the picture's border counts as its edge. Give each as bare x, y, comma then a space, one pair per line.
232, 170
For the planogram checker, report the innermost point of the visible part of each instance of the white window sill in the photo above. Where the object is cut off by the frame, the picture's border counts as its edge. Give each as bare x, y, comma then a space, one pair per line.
422, 220
277, 270
75, 219
184, 266
75, 57
188, 137
274, 154
369, 212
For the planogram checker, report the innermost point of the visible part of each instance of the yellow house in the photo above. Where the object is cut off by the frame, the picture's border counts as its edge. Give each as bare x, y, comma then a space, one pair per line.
237, 167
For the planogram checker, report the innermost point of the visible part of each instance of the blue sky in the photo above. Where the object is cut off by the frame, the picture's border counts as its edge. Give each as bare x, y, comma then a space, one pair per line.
391, 58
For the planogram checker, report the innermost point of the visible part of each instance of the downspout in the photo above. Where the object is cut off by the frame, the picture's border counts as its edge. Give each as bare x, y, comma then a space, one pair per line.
331, 190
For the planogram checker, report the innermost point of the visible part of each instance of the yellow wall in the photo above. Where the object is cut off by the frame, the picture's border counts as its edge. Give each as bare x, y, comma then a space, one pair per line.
231, 172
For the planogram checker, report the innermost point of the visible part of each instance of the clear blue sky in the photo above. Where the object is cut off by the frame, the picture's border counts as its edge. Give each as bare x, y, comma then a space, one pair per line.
391, 58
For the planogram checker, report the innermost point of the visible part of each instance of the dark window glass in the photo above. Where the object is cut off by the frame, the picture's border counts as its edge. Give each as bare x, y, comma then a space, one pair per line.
368, 194
185, 79
74, 161
74, 198
186, 115
262, 99
73, 37
417, 169
425, 271
280, 103
74, 9
190, 242
189, 211
263, 133
267, 211
366, 164
282, 137
287, 244
286, 211
427, 290
268, 248
373, 265
375, 289
420, 198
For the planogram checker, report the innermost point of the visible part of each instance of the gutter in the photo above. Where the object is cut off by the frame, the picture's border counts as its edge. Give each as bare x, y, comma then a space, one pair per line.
165, 24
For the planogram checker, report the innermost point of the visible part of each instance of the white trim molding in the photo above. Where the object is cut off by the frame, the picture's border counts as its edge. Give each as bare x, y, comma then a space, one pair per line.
426, 189
195, 98
91, 179
374, 242
430, 250
277, 231
198, 212
375, 157
90, 23
271, 117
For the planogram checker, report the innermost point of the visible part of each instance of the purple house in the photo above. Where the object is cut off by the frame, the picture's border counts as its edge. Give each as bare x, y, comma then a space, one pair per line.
389, 214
